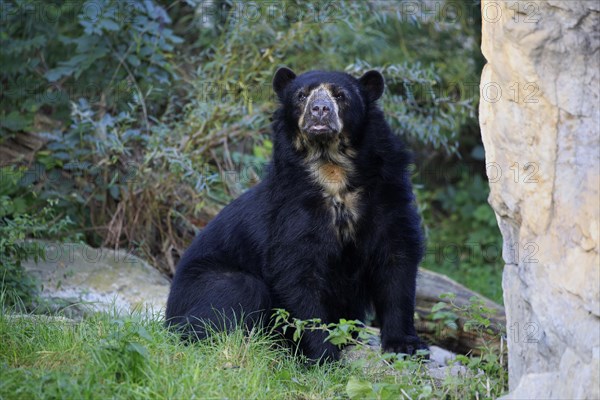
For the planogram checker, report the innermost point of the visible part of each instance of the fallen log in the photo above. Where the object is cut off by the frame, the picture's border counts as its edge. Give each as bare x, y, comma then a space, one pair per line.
441, 331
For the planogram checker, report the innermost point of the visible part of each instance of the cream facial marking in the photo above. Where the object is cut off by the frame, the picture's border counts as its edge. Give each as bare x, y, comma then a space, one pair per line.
321, 92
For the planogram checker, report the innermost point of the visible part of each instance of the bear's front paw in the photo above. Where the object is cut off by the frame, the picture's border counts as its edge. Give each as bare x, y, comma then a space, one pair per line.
406, 345
326, 352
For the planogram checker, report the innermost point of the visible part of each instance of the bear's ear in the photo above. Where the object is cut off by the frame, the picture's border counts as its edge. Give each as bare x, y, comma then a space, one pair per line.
282, 78
372, 82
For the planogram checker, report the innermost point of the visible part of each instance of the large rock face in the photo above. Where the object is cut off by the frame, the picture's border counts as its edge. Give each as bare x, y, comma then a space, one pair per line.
540, 119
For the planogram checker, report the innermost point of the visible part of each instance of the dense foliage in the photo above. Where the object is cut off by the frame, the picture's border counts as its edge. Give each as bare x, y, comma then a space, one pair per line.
155, 114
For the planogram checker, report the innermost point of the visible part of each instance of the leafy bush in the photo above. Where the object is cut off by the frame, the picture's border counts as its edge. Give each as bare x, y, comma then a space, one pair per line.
17, 224
107, 51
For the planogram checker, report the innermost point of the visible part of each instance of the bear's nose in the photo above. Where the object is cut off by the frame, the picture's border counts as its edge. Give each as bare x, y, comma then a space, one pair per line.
320, 108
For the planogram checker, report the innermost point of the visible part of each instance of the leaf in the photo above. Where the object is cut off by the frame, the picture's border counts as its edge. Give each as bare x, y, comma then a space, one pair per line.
438, 315
109, 25
358, 389
114, 192
61, 155
54, 74
137, 348
450, 296
451, 324
14, 121
284, 375
133, 60
143, 333
464, 360
439, 306
337, 339
296, 335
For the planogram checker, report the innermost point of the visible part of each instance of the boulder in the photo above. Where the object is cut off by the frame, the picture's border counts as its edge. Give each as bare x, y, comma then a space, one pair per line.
539, 115
77, 275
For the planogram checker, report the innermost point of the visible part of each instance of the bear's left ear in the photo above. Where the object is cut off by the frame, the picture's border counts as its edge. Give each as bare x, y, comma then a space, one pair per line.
373, 83
282, 78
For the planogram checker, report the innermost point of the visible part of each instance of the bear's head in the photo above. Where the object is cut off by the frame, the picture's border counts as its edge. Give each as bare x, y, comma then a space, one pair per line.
322, 106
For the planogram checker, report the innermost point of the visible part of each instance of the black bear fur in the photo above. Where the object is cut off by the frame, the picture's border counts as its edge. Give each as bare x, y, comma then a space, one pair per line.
330, 231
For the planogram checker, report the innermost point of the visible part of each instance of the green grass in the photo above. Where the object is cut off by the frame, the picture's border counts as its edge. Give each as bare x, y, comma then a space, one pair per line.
134, 357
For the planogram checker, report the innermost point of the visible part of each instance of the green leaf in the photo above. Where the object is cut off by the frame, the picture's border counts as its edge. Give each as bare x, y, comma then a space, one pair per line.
284, 375
358, 389
137, 348
109, 25
296, 335
114, 192
337, 339
439, 306
133, 60
14, 121
450, 296
55, 74
143, 333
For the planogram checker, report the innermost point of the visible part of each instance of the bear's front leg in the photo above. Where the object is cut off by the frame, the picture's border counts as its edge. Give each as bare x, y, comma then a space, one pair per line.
394, 298
303, 302
315, 347
299, 259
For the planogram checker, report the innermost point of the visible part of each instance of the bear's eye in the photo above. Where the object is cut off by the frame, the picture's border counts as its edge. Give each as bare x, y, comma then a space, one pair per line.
301, 96
339, 96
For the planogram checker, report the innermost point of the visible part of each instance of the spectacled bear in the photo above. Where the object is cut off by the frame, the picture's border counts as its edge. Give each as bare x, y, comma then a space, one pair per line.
329, 232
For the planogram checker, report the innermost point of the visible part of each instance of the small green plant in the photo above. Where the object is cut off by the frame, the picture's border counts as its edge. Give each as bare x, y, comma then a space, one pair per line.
476, 313
124, 351
342, 333
445, 316
409, 377
19, 224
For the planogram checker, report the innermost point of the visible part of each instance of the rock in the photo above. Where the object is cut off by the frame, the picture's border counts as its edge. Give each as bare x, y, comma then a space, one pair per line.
440, 373
440, 356
41, 319
539, 115
101, 279
440, 364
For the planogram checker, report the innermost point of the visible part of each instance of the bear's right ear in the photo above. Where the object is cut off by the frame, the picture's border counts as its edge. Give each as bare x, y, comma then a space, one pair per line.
373, 83
282, 78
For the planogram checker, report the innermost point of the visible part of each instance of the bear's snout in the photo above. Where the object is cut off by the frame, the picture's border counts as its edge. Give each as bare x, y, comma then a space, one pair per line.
320, 108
